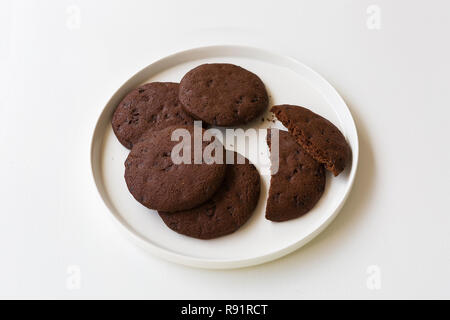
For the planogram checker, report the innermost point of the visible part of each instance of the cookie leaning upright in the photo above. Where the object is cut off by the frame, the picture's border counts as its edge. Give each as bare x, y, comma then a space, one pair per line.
223, 94
318, 136
299, 182
158, 183
153, 106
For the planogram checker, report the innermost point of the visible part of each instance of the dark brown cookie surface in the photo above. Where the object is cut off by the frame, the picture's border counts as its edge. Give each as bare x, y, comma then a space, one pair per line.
223, 94
158, 183
226, 211
152, 106
318, 136
297, 185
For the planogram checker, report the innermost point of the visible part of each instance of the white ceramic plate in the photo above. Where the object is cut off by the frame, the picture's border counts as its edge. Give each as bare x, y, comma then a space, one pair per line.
259, 240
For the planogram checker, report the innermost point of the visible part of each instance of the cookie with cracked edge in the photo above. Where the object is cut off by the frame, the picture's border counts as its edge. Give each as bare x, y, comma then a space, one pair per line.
223, 94
153, 106
230, 208
158, 183
318, 136
297, 185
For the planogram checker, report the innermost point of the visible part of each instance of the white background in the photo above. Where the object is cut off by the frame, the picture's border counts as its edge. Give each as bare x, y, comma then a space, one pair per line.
57, 74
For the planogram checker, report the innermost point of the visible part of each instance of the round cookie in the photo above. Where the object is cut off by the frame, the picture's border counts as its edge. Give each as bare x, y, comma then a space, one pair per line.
158, 183
226, 211
223, 94
152, 106
318, 136
297, 185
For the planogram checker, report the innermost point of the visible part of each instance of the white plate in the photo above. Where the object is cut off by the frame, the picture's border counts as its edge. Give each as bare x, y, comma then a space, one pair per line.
259, 240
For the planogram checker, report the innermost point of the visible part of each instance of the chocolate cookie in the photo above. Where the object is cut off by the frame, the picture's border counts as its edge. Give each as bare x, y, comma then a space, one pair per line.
226, 211
223, 94
158, 183
318, 136
297, 185
152, 106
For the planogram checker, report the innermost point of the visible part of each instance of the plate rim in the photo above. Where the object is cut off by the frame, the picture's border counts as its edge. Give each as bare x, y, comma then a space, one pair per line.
206, 263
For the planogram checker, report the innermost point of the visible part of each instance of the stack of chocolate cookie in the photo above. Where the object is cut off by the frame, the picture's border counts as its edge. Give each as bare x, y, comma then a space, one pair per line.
311, 145
199, 200
209, 200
